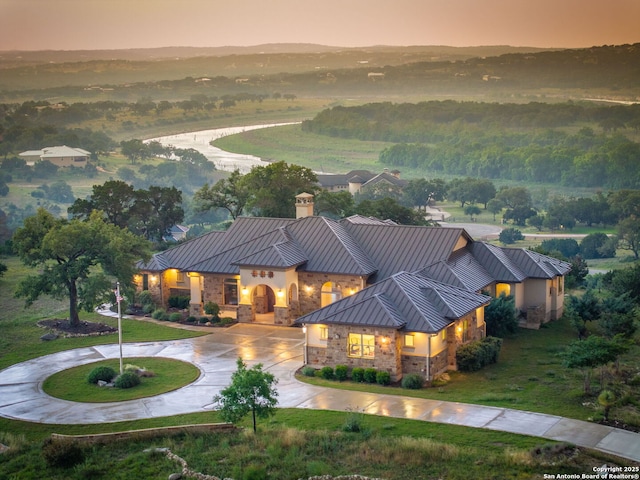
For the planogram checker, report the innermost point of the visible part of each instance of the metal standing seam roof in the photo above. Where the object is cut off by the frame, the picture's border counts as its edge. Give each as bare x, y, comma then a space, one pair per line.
461, 270
186, 253
496, 261
536, 265
404, 301
224, 261
330, 248
281, 255
404, 248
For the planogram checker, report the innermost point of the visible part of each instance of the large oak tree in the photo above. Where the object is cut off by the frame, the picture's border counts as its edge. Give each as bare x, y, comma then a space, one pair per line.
76, 259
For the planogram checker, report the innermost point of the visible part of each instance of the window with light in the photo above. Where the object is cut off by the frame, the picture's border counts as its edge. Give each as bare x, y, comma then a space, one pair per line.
361, 345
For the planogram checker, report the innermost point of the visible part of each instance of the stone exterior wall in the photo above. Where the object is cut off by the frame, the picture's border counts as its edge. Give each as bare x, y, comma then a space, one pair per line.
414, 364
438, 364
213, 288
310, 286
246, 313
387, 350
281, 316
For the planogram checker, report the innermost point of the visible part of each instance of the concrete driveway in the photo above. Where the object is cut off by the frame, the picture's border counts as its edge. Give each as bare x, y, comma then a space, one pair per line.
279, 349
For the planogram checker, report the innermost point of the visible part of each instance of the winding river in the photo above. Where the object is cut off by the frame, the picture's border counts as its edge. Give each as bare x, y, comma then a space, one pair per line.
226, 161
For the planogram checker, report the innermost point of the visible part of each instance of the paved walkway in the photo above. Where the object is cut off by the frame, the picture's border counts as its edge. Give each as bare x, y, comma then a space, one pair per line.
279, 350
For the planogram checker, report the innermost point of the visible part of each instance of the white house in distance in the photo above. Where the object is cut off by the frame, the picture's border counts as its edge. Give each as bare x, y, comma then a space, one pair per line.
61, 156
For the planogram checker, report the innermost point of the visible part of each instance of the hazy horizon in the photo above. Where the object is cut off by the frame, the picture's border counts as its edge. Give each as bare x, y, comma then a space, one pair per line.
29, 25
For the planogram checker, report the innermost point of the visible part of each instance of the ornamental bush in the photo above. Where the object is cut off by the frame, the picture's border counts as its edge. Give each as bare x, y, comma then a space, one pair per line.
127, 380
179, 301
476, 355
211, 308
370, 375
357, 374
412, 381
326, 373
341, 372
383, 377
103, 373
145, 298
175, 317
159, 314
308, 371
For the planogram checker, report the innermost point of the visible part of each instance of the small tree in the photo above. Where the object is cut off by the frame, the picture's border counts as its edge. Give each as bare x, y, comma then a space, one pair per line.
501, 316
593, 352
510, 235
251, 390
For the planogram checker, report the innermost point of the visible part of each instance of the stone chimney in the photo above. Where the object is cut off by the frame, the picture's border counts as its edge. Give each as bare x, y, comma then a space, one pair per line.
304, 205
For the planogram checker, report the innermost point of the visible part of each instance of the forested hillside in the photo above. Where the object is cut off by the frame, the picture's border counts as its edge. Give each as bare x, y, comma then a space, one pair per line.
568, 143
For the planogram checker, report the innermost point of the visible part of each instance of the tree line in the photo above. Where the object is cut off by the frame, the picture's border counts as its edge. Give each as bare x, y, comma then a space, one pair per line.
532, 142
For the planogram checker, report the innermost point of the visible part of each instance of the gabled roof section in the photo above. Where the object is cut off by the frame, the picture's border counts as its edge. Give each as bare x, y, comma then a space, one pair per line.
403, 247
330, 248
286, 254
186, 253
536, 265
496, 261
405, 300
225, 261
461, 270
64, 151
376, 310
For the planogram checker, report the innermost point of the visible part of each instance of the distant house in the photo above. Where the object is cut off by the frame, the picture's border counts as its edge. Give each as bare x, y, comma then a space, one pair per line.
61, 156
369, 293
356, 180
176, 233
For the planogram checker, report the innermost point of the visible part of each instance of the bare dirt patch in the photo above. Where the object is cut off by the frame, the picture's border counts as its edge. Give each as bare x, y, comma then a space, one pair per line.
64, 328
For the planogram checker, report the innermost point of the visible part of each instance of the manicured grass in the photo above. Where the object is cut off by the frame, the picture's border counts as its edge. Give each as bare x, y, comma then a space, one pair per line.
168, 375
20, 335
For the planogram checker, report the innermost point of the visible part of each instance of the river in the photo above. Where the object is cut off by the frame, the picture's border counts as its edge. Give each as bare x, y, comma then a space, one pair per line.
226, 161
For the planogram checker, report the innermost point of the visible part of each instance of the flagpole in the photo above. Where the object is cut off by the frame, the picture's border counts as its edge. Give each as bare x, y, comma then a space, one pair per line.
118, 298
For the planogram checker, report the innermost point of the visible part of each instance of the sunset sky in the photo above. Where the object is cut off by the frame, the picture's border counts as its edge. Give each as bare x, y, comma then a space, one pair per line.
116, 24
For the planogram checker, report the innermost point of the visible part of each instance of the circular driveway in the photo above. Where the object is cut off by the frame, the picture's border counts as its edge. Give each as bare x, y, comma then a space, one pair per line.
279, 349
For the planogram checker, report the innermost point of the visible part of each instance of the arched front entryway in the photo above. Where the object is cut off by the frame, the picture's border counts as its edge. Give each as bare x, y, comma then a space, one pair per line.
264, 300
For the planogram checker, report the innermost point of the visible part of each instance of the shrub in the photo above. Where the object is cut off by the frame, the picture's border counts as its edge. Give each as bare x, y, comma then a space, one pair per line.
501, 316
412, 381
383, 377
145, 298
341, 372
254, 472
62, 453
175, 317
179, 301
475, 355
211, 308
106, 374
353, 423
148, 308
158, 314
308, 371
127, 380
191, 319
326, 373
357, 374
370, 375
225, 321
203, 319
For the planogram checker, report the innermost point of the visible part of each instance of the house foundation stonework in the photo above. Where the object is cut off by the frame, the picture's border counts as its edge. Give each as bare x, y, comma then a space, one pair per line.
379, 291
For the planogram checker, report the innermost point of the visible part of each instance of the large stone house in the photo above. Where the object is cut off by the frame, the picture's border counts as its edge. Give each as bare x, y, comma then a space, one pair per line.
367, 292
357, 180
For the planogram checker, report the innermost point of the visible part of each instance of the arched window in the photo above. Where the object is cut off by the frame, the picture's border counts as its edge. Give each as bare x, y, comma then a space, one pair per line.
293, 293
329, 294
503, 288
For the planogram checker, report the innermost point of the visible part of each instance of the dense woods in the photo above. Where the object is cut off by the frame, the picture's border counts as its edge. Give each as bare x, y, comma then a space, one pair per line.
568, 143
